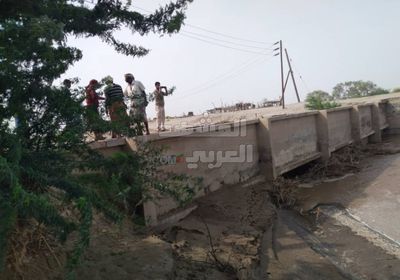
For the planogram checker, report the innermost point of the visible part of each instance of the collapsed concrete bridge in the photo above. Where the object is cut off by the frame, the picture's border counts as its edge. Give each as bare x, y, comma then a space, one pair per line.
271, 145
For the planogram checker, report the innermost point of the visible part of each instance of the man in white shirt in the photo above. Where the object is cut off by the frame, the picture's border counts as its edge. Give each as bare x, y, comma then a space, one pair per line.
158, 96
136, 95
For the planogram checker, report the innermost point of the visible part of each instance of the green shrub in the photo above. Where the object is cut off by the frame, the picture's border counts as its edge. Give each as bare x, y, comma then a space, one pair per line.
42, 154
320, 100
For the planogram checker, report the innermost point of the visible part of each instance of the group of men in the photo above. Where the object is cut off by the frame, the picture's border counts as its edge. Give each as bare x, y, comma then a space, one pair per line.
133, 98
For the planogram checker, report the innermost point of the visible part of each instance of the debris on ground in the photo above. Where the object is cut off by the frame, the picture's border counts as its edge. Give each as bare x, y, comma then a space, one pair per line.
223, 236
283, 193
344, 161
31, 241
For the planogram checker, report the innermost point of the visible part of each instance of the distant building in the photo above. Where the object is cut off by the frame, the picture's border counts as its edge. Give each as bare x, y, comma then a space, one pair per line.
237, 107
244, 106
216, 110
271, 103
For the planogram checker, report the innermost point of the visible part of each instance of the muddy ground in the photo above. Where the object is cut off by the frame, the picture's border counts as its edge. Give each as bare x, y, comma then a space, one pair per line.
239, 234
315, 224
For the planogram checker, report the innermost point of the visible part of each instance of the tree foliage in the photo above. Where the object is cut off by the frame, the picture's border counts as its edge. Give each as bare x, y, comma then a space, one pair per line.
355, 89
319, 100
396, 89
44, 151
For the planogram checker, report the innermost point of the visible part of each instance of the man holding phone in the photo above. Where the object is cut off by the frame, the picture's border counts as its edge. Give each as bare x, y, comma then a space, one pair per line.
159, 94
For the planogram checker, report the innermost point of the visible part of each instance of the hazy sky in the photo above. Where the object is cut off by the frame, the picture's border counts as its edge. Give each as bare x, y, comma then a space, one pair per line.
329, 41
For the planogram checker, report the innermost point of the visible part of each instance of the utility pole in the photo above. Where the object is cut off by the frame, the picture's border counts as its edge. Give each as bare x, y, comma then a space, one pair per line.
291, 72
283, 85
287, 79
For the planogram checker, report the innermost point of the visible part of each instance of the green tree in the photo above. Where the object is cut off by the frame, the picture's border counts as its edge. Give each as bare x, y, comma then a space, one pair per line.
319, 100
396, 89
355, 89
40, 155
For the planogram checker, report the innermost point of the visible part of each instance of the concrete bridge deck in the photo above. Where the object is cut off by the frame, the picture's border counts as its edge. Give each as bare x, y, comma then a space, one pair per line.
179, 122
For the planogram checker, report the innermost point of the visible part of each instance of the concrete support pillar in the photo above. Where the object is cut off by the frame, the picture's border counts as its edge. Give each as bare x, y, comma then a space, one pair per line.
355, 125
264, 149
393, 116
323, 135
376, 124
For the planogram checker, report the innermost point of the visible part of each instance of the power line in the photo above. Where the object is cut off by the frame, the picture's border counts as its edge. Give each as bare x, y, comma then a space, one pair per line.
227, 36
232, 70
221, 45
226, 76
207, 30
225, 41
203, 40
213, 32
301, 77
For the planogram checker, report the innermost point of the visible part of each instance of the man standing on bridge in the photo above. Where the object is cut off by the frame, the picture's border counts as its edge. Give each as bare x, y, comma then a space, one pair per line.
115, 105
135, 93
159, 94
92, 106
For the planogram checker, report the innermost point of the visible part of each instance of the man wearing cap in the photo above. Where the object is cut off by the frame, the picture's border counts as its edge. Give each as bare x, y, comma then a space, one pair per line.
115, 105
135, 93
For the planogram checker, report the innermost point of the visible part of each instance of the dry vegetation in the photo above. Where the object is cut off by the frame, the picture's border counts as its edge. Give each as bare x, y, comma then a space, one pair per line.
283, 193
344, 161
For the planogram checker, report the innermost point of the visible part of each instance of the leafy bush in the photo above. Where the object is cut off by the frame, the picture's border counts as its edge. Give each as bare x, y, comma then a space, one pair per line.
320, 100
126, 180
42, 156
